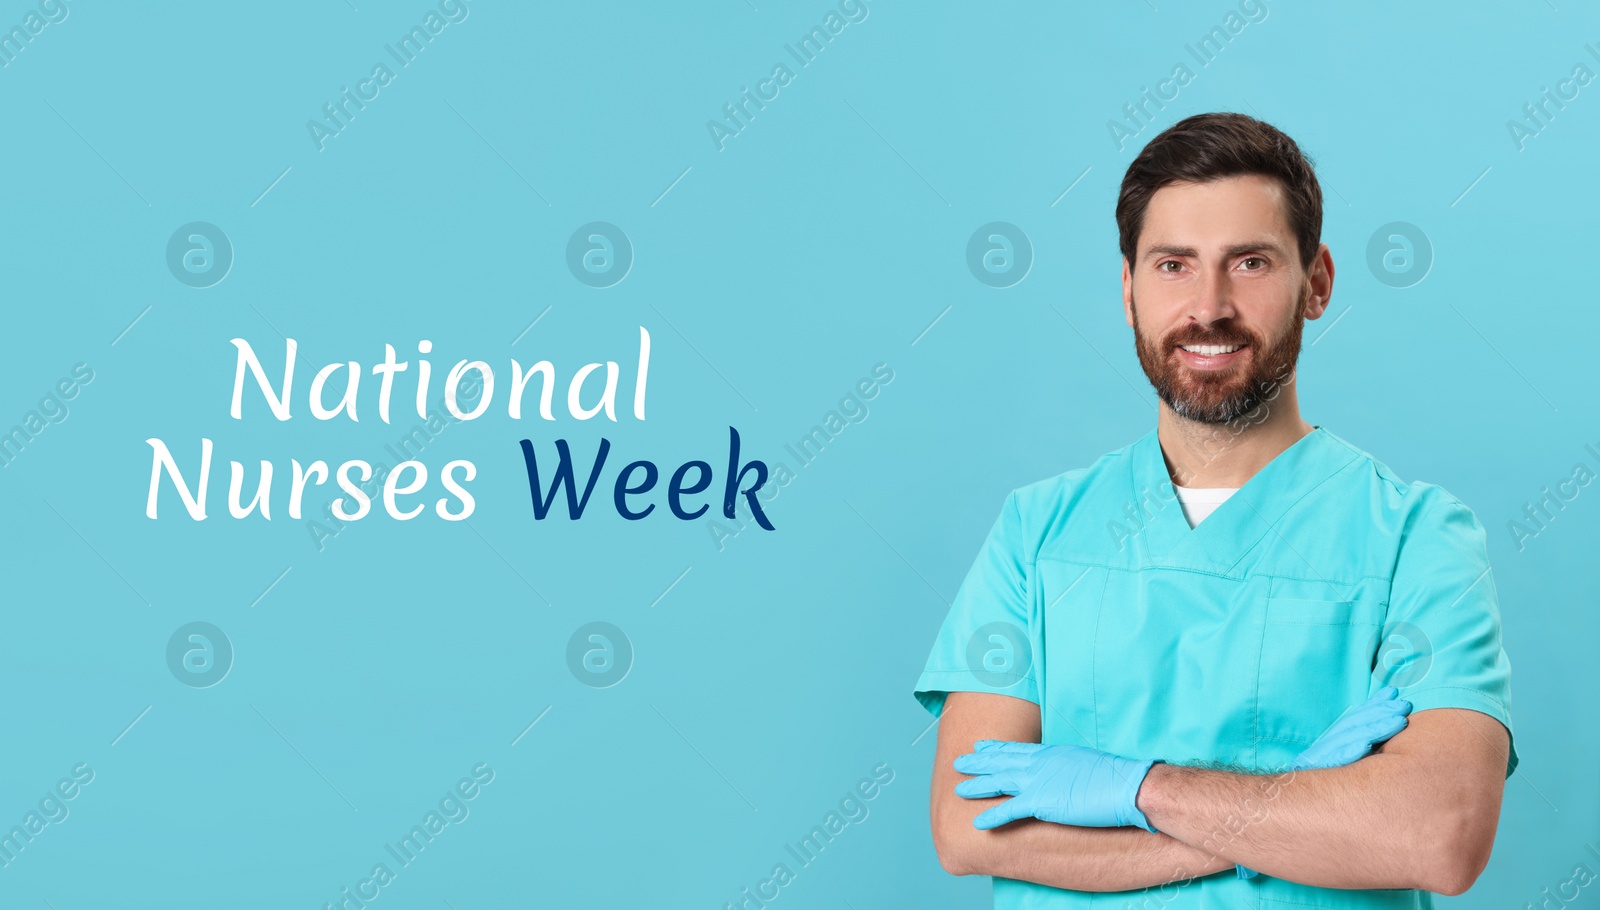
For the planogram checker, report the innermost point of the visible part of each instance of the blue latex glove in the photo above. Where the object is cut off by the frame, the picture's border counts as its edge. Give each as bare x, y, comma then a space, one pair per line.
1067, 785
1352, 737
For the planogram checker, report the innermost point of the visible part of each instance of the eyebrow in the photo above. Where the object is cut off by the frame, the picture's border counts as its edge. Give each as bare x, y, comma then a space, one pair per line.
1259, 246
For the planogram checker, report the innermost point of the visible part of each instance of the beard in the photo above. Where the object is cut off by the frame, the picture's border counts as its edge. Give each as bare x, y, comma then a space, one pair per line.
1228, 394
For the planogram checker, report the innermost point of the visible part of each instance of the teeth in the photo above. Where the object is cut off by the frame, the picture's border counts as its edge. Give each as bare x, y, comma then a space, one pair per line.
1212, 349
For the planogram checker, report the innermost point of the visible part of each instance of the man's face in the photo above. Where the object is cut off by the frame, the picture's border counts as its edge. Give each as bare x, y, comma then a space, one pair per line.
1221, 296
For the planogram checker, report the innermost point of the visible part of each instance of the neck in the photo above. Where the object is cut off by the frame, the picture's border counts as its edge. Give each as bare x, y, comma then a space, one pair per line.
1229, 454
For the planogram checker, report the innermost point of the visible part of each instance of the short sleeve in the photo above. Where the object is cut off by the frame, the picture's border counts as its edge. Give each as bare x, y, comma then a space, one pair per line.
986, 643
1441, 642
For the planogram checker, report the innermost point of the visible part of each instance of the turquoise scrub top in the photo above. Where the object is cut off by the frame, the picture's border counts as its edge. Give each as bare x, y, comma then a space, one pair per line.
1232, 644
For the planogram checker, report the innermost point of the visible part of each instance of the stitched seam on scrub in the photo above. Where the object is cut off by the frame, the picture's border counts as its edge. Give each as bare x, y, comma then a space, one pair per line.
1250, 547
968, 672
1478, 692
1119, 566
1035, 633
1261, 654
1279, 900
949, 676
1075, 562
1358, 578
1078, 561
1094, 656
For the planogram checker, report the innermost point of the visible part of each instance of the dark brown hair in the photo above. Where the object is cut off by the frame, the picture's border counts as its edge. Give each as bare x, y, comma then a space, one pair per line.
1210, 146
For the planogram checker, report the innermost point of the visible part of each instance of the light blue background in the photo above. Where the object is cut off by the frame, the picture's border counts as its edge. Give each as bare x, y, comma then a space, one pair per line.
824, 239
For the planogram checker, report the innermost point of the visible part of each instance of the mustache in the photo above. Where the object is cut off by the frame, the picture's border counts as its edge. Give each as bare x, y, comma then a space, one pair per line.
1188, 336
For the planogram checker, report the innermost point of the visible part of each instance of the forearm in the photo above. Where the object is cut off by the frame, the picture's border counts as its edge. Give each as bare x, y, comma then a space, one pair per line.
1063, 856
1387, 821
1082, 859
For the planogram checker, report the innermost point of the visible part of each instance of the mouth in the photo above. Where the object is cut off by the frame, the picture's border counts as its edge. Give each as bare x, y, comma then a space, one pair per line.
1210, 356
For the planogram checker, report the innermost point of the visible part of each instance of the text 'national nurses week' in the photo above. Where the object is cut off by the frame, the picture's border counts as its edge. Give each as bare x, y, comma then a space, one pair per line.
468, 392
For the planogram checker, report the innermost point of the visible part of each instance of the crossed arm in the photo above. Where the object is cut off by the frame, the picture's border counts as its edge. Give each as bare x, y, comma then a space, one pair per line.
1418, 813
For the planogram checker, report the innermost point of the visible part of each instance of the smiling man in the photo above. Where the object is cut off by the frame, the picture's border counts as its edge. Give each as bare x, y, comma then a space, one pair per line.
1238, 662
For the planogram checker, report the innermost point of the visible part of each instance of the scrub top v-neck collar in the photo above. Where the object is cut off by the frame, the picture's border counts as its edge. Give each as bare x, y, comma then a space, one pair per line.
1218, 544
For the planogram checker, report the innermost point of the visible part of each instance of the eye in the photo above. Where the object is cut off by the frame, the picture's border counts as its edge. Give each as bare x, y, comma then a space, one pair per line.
1162, 265
1257, 259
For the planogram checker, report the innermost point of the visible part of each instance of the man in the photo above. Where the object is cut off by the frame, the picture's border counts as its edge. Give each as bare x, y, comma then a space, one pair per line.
1185, 671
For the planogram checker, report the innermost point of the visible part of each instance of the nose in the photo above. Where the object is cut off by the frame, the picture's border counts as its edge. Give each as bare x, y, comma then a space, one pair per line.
1212, 301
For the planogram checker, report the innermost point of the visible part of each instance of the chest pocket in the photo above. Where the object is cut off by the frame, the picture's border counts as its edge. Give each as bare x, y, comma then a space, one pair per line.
1318, 643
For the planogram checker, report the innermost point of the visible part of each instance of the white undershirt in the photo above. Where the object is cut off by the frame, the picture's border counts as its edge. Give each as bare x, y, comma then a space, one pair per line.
1199, 502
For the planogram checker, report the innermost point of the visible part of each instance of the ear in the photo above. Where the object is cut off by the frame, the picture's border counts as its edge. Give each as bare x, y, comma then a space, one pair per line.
1320, 275
1127, 293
